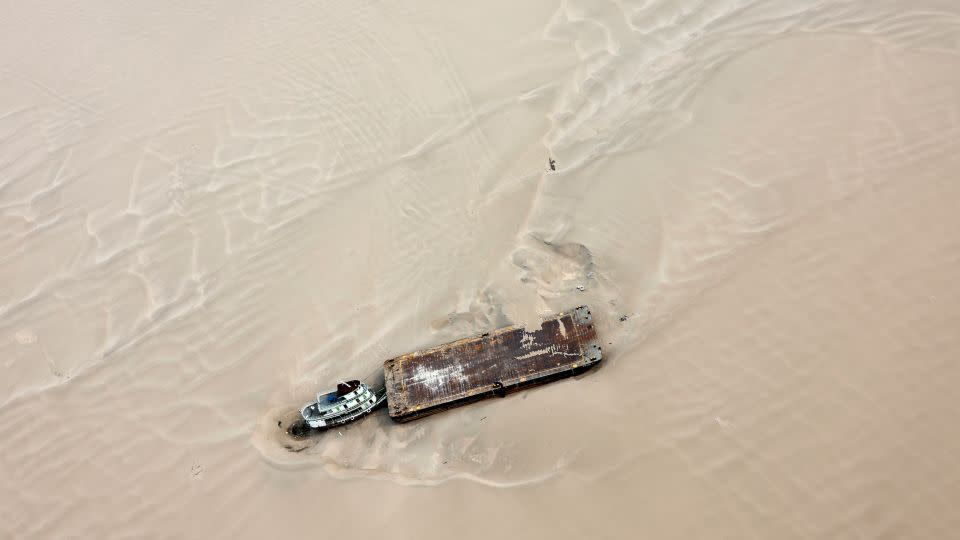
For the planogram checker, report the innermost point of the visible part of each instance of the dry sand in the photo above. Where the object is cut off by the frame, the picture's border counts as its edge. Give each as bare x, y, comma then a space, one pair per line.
210, 210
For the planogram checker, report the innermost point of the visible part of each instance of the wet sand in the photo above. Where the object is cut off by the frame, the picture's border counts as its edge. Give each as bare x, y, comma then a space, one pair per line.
211, 212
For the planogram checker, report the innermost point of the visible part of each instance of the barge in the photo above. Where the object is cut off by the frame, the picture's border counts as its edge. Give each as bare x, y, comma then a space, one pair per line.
495, 364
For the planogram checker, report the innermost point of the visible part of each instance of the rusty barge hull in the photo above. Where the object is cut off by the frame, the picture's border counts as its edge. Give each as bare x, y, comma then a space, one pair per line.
495, 364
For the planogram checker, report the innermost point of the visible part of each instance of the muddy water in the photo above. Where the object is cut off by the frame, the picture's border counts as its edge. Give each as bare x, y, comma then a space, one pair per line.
209, 212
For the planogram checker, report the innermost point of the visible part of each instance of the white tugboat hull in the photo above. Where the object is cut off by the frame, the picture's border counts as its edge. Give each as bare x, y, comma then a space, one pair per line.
350, 402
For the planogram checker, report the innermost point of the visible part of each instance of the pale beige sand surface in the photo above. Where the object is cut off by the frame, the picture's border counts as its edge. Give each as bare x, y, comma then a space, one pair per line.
211, 210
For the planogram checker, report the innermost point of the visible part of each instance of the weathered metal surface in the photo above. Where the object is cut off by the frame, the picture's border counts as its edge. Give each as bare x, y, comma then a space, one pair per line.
428, 381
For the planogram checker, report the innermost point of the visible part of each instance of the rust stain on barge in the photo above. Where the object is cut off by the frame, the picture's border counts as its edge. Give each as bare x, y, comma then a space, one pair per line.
510, 359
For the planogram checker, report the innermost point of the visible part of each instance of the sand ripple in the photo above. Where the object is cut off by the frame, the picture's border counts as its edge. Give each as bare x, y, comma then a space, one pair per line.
209, 211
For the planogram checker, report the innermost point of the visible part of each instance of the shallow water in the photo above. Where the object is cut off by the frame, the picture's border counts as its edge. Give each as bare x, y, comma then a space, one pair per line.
211, 211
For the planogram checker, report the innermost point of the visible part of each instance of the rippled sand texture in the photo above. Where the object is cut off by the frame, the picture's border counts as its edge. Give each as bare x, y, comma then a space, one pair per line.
209, 210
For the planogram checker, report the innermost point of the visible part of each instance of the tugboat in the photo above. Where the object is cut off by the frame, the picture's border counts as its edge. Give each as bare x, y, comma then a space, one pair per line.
350, 401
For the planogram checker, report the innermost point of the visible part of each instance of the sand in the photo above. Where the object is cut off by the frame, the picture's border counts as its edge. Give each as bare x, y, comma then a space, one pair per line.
209, 211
